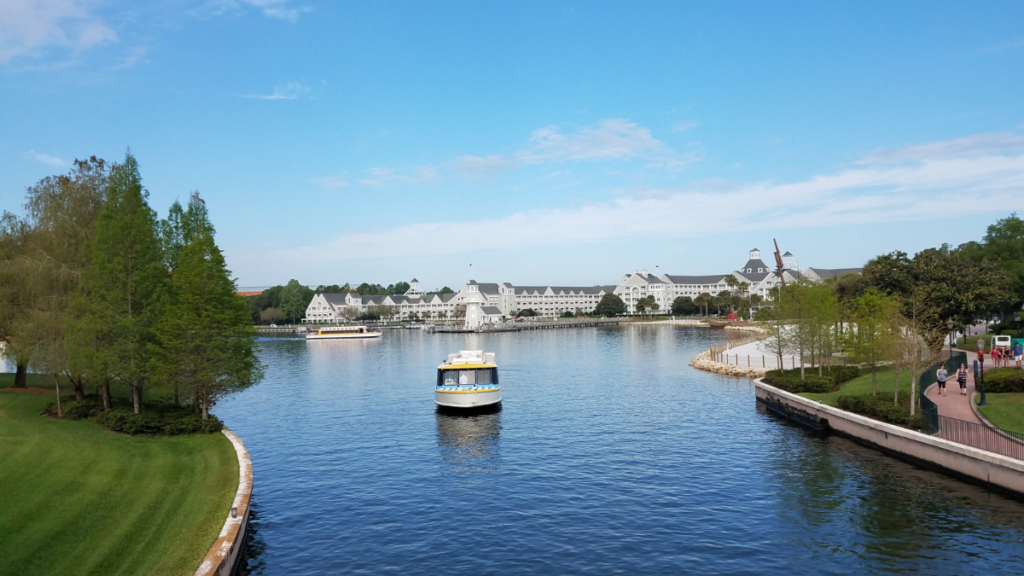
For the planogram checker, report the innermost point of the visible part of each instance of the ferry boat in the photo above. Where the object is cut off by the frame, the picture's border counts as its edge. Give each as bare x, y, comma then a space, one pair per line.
468, 379
341, 333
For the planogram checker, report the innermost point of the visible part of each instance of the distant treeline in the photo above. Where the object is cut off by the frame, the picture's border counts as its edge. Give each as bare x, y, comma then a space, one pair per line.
288, 303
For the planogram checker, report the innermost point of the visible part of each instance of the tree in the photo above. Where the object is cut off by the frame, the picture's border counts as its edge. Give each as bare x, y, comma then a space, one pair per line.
398, 288
610, 305
348, 313
271, 315
459, 311
295, 298
119, 297
445, 290
333, 289
645, 304
703, 301
684, 306
206, 340
1003, 243
871, 340
181, 227
62, 211
16, 292
527, 313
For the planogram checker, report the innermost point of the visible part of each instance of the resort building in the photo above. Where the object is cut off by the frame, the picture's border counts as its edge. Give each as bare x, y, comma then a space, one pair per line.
493, 302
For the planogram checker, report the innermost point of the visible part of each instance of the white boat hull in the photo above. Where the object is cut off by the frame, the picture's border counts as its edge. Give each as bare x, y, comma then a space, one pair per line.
466, 396
314, 336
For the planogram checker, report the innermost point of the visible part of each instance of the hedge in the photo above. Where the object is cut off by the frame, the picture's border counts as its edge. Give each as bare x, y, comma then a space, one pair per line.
789, 380
1004, 380
882, 408
154, 419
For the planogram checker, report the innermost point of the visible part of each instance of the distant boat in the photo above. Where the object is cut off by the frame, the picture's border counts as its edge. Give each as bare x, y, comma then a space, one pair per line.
468, 379
724, 323
342, 333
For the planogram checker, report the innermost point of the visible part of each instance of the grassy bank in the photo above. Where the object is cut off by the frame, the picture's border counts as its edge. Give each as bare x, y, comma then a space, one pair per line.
861, 386
80, 500
1004, 410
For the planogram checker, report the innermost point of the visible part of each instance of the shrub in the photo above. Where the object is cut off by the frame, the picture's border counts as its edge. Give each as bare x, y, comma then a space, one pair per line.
1004, 380
882, 408
168, 421
75, 409
789, 380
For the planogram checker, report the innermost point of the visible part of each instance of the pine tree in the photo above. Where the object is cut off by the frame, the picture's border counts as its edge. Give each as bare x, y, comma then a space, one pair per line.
207, 340
118, 301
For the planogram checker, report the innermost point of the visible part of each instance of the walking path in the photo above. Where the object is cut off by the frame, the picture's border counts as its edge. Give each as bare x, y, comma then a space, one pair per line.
953, 404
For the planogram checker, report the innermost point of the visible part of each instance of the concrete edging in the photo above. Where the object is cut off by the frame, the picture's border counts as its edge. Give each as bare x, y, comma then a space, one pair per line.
989, 468
224, 553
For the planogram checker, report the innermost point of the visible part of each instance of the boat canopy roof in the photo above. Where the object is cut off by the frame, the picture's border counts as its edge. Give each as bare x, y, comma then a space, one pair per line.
343, 329
465, 359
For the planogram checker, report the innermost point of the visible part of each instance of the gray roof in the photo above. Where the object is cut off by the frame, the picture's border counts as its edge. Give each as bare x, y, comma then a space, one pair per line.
506, 284
472, 282
788, 253
414, 280
492, 311
489, 288
712, 279
446, 297
753, 266
334, 299
830, 272
564, 289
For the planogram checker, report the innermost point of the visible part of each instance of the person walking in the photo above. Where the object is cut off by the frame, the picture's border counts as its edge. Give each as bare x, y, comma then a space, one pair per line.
1018, 351
940, 375
961, 378
995, 356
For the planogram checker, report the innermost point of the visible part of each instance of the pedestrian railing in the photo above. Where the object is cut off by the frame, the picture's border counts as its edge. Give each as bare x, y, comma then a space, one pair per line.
982, 437
929, 410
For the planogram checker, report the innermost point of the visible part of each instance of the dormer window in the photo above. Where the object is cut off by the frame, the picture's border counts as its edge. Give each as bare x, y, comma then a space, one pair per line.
759, 270
748, 270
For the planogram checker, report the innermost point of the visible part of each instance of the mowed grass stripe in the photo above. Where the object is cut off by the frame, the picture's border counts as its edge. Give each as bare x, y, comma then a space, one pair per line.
75, 499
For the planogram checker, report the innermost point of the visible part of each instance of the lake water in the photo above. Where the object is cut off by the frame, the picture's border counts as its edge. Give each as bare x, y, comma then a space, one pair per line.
609, 455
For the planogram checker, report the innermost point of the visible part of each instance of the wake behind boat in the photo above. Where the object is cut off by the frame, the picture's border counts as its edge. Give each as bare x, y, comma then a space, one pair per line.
468, 379
342, 333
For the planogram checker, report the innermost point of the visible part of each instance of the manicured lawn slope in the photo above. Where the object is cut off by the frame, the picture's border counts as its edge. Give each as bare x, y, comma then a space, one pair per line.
861, 386
75, 499
1004, 410
35, 381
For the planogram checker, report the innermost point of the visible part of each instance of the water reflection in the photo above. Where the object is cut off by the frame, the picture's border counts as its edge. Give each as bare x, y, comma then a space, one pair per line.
469, 441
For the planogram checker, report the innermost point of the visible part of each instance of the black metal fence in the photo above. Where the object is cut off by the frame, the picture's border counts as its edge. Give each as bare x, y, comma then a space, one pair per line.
980, 436
929, 410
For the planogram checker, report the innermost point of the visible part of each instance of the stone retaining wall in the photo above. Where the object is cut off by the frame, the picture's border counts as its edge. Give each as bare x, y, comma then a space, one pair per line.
704, 362
223, 555
987, 468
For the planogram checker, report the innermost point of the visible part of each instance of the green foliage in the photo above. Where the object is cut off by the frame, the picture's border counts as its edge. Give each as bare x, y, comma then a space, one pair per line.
646, 305
567, 314
610, 305
445, 290
684, 306
527, 313
789, 380
120, 295
1003, 243
945, 283
295, 298
206, 340
1004, 380
882, 409
165, 422
333, 289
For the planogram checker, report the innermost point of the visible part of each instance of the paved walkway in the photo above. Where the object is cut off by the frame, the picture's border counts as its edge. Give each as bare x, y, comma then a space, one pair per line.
953, 404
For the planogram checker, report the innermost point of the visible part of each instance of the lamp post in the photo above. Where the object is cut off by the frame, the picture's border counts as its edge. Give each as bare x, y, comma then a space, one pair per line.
949, 325
981, 381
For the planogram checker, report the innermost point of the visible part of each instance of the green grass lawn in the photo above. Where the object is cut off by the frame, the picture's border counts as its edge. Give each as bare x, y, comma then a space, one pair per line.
861, 385
35, 381
1004, 410
75, 499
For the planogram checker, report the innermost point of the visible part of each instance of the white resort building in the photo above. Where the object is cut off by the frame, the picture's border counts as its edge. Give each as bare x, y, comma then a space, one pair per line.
497, 301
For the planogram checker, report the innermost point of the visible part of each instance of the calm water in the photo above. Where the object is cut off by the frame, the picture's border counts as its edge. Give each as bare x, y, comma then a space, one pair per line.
610, 455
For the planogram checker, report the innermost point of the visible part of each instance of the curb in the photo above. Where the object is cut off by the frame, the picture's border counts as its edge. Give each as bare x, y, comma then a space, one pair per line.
224, 553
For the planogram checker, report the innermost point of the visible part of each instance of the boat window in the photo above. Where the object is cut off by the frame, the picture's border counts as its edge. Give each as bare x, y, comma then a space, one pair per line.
467, 376
483, 376
451, 377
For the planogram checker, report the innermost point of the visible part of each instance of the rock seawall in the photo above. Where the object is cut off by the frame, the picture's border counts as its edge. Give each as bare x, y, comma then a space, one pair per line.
704, 362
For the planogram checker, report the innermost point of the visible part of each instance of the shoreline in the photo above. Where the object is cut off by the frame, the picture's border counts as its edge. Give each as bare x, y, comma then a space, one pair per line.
226, 551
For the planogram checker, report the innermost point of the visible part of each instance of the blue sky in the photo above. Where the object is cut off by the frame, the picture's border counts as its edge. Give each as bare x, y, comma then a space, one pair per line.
543, 142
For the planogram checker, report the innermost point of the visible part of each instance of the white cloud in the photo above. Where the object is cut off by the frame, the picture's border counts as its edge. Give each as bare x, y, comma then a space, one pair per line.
277, 9
384, 177
910, 191
975, 145
683, 126
46, 159
132, 57
330, 182
611, 139
30, 27
287, 91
